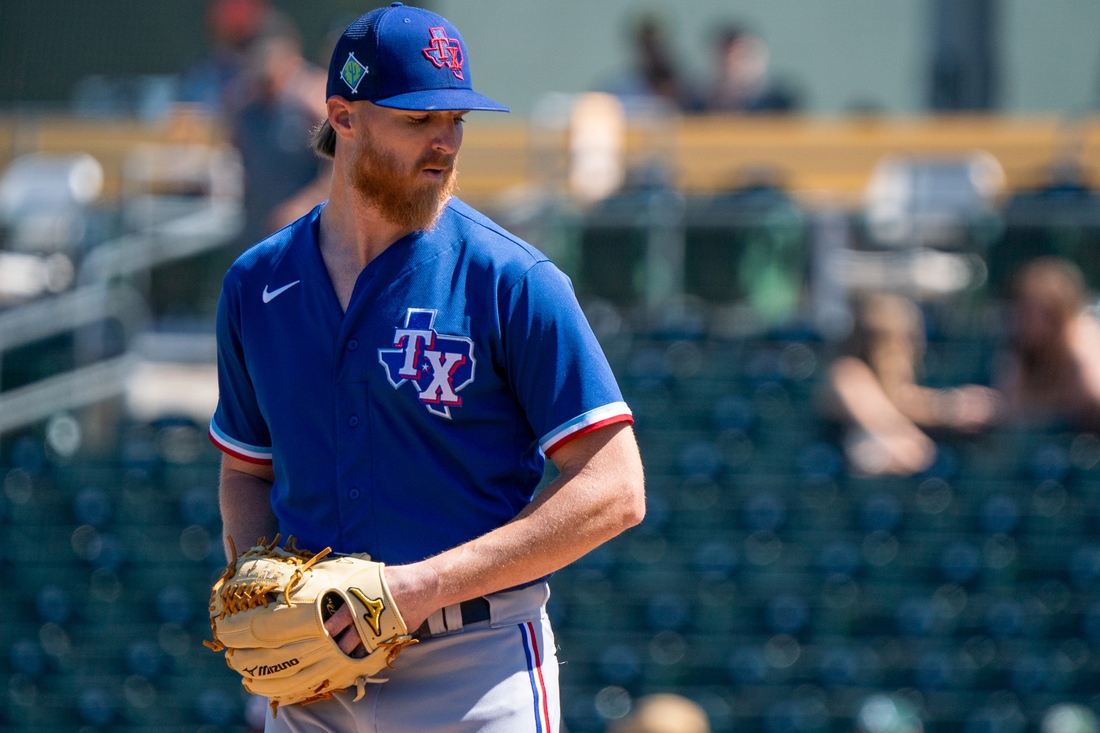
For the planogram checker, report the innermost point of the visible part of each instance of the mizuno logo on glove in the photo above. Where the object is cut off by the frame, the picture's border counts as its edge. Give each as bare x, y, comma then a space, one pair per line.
375, 607
263, 669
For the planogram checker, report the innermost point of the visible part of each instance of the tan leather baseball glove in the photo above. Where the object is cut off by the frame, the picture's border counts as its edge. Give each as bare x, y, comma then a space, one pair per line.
267, 611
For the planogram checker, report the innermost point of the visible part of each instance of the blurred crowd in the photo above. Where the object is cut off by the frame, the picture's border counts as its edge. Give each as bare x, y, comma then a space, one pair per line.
257, 78
271, 96
1047, 376
739, 79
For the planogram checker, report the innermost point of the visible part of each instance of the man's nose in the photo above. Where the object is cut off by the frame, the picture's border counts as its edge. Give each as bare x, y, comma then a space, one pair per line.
448, 137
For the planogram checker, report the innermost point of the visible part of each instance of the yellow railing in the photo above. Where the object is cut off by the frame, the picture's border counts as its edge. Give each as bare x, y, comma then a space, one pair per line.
819, 159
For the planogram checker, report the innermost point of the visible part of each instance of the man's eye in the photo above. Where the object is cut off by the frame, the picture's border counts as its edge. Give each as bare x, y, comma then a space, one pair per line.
418, 120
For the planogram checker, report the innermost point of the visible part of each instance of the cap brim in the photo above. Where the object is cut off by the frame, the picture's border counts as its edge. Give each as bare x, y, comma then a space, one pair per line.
439, 100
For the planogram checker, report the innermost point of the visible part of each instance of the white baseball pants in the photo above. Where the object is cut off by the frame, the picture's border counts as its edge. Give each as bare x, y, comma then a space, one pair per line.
496, 676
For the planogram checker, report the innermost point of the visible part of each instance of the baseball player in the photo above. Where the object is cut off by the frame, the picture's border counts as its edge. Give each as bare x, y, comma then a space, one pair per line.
394, 369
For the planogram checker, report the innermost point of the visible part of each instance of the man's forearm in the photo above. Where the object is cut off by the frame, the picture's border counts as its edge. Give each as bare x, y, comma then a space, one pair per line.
599, 494
246, 509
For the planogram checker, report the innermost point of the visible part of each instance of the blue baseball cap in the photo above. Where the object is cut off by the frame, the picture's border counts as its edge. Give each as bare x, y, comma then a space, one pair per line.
404, 58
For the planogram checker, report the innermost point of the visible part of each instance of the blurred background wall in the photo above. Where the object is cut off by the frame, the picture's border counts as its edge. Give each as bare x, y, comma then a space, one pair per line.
836, 54
48, 46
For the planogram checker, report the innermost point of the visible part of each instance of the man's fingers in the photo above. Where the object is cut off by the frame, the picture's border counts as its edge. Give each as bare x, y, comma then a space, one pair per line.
339, 621
348, 641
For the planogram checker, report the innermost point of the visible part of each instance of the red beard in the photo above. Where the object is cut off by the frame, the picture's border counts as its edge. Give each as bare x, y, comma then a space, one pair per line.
401, 198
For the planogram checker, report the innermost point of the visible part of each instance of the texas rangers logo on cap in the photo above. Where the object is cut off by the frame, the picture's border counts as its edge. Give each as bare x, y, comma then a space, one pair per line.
437, 365
443, 51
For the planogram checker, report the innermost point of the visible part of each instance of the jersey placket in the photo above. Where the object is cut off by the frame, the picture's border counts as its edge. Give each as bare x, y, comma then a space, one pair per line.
354, 439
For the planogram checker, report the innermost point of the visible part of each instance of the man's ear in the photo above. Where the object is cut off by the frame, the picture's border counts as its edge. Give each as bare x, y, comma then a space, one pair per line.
340, 116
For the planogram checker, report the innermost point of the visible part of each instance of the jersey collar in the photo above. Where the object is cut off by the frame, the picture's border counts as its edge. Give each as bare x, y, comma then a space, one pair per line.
407, 254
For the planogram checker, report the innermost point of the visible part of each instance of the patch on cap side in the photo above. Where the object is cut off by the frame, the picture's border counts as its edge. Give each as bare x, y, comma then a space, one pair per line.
353, 72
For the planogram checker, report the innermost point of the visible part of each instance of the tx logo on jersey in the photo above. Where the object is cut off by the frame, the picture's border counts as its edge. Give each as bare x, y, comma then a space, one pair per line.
436, 364
443, 51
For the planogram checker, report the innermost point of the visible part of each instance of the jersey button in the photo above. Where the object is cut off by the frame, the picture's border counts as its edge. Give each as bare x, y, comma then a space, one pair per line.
353, 421
353, 345
353, 494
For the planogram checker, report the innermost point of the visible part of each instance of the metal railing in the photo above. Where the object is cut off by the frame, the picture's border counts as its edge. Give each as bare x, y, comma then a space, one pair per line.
102, 294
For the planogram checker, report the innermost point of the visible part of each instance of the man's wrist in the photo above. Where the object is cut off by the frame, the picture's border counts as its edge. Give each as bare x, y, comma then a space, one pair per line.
415, 591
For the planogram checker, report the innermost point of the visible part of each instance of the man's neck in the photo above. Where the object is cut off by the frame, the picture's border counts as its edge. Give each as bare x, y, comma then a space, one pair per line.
353, 233
352, 230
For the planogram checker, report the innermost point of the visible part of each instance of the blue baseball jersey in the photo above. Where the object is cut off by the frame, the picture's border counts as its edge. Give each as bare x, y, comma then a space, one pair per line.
420, 418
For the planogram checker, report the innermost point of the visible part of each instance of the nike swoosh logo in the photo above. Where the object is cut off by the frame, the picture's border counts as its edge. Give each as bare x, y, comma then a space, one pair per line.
268, 297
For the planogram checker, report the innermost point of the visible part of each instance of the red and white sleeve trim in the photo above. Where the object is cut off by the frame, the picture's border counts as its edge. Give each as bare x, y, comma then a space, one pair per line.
237, 449
592, 420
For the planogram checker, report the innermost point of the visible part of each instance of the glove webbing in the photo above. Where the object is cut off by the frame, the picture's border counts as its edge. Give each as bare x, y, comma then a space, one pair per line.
243, 596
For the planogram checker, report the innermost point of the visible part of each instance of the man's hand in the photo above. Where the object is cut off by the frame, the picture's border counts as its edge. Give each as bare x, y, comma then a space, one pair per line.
413, 588
349, 643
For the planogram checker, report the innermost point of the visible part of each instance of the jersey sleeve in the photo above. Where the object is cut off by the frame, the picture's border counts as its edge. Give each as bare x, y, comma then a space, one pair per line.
238, 427
555, 365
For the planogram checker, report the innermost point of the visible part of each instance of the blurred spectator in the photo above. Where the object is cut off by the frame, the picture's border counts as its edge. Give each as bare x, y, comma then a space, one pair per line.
286, 99
663, 713
1053, 371
655, 72
741, 76
234, 25
875, 390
